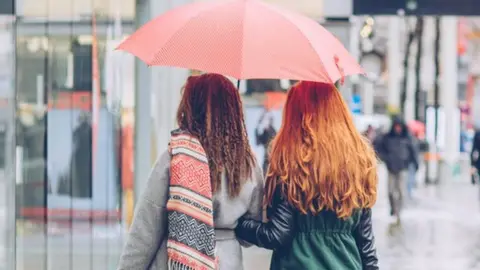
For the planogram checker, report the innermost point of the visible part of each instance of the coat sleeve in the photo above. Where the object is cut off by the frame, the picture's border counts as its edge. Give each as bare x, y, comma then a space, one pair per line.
379, 146
365, 240
149, 226
277, 232
255, 209
256, 202
413, 146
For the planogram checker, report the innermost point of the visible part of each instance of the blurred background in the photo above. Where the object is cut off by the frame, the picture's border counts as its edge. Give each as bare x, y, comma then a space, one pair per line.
81, 124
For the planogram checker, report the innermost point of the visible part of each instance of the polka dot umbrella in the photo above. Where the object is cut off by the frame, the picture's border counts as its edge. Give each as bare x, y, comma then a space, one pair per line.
244, 39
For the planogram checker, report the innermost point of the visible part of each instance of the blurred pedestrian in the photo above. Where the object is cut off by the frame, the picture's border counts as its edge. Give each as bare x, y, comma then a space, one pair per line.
264, 133
475, 156
417, 131
398, 151
209, 168
321, 185
413, 166
370, 133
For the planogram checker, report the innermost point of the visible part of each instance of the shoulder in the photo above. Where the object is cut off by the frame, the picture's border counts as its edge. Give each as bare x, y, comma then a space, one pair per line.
156, 189
258, 175
160, 171
162, 162
278, 194
256, 183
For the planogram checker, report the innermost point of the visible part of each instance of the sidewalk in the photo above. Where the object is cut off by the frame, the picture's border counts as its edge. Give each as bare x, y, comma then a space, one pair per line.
439, 231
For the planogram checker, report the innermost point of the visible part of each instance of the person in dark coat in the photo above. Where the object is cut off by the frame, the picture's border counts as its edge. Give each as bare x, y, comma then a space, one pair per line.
264, 133
398, 151
320, 187
76, 181
475, 155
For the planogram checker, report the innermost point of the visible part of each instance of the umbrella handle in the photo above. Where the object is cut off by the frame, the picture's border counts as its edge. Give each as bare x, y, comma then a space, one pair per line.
238, 84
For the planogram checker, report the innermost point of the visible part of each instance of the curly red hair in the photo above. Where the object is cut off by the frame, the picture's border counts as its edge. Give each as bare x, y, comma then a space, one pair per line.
211, 109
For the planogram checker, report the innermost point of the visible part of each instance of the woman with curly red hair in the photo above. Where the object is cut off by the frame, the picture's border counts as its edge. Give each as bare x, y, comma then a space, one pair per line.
321, 185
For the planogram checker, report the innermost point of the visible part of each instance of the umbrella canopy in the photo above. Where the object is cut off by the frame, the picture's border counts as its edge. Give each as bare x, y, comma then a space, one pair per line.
245, 39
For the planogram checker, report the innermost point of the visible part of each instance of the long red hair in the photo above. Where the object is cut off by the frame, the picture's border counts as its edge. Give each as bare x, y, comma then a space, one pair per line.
318, 157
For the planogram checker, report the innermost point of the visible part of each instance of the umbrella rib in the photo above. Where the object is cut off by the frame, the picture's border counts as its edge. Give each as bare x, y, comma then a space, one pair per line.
303, 34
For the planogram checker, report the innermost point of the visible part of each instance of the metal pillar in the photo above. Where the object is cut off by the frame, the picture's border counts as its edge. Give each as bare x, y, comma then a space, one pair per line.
449, 86
157, 95
409, 111
368, 96
394, 64
142, 110
449, 97
354, 48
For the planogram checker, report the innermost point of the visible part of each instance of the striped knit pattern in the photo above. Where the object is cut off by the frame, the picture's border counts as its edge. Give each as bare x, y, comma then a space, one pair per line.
191, 234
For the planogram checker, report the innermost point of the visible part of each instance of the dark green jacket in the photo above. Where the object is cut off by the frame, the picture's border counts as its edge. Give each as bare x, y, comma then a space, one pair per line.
313, 242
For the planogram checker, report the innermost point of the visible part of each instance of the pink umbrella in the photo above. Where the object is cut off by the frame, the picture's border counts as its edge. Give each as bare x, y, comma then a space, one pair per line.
245, 39
417, 128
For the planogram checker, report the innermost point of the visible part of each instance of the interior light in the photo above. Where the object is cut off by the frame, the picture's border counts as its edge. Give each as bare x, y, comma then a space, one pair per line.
85, 39
370, 21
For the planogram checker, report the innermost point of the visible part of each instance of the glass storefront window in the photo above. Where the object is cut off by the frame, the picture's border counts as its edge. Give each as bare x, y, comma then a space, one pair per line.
7, 142
69, 187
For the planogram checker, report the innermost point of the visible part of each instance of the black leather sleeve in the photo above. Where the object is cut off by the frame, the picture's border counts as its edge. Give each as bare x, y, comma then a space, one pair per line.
366, 241
276, 233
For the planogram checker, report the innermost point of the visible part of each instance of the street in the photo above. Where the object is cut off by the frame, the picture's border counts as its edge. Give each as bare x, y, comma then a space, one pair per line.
440, 230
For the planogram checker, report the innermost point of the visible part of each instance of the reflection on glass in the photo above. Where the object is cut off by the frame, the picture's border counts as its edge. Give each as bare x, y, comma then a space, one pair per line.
7, 146
74, 179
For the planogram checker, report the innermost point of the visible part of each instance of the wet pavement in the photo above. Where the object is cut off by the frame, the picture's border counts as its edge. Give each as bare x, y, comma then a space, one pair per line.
440, 230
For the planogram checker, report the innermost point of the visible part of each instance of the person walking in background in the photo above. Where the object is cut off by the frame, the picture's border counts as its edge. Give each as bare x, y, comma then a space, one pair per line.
321, 186
370, 133
398, 151
209, 168
264, 133
475, 156
413, 168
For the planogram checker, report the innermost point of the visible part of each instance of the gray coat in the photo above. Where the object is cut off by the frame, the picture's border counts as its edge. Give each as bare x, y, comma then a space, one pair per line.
145, 247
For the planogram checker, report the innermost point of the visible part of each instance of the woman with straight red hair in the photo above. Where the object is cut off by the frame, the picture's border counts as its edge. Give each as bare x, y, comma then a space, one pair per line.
321, 185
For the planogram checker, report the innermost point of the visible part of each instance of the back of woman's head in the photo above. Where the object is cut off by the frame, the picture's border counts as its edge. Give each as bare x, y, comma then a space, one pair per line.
211, 109
318, 157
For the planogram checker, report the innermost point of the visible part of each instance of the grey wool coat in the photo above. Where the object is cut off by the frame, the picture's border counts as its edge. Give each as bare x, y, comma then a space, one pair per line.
145, 247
